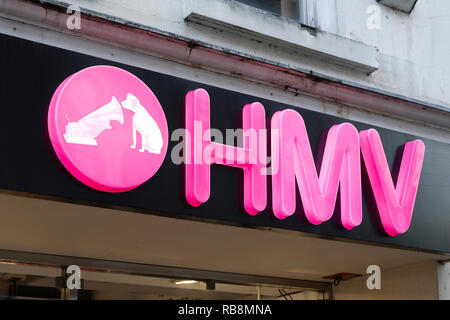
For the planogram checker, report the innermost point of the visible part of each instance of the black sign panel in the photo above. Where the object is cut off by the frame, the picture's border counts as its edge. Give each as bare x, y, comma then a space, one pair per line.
31, 72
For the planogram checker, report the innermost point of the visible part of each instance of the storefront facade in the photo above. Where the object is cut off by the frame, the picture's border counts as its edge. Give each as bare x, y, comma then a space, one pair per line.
229, 221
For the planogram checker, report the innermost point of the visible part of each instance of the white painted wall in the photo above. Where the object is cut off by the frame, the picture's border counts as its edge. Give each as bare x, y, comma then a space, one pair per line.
412, 51
444, 280
22, 28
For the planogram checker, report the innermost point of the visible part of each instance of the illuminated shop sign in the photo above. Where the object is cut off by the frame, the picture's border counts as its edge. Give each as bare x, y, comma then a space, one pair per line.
100, 99
108, 98
150, 142
293, 161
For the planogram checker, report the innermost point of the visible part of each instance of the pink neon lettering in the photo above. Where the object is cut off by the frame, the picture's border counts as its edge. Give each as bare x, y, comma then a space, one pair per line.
395, 204
201, 152
292, 155
292, 161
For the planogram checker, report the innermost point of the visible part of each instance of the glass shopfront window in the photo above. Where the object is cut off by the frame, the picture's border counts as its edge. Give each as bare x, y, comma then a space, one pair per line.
27, 281
285, 8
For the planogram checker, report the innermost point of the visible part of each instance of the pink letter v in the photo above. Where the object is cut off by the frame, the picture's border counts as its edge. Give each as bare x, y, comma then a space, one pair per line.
395, 204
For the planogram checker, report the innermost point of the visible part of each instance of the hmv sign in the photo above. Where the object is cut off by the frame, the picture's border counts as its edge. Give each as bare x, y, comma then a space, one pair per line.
98, 147
293, 164
110, 134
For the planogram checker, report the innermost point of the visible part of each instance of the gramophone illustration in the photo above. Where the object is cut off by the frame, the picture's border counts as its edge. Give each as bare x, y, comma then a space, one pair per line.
87, 129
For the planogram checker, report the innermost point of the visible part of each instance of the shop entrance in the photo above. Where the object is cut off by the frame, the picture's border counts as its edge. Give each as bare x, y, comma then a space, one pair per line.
38, 276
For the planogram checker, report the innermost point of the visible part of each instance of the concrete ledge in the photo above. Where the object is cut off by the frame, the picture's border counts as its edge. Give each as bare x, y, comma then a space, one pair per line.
232, 16
122, 33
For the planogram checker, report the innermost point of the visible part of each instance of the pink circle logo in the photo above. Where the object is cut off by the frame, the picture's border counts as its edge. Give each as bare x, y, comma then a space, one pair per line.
108, 128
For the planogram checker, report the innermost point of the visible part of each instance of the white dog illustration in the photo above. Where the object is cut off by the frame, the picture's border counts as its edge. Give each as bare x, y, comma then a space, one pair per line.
143, 123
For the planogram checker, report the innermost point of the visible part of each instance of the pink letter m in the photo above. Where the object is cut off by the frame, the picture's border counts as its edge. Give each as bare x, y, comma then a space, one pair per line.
292, 155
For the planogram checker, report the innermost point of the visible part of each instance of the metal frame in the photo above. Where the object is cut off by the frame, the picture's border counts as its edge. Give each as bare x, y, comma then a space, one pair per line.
401, 5
30, 258
307, 11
